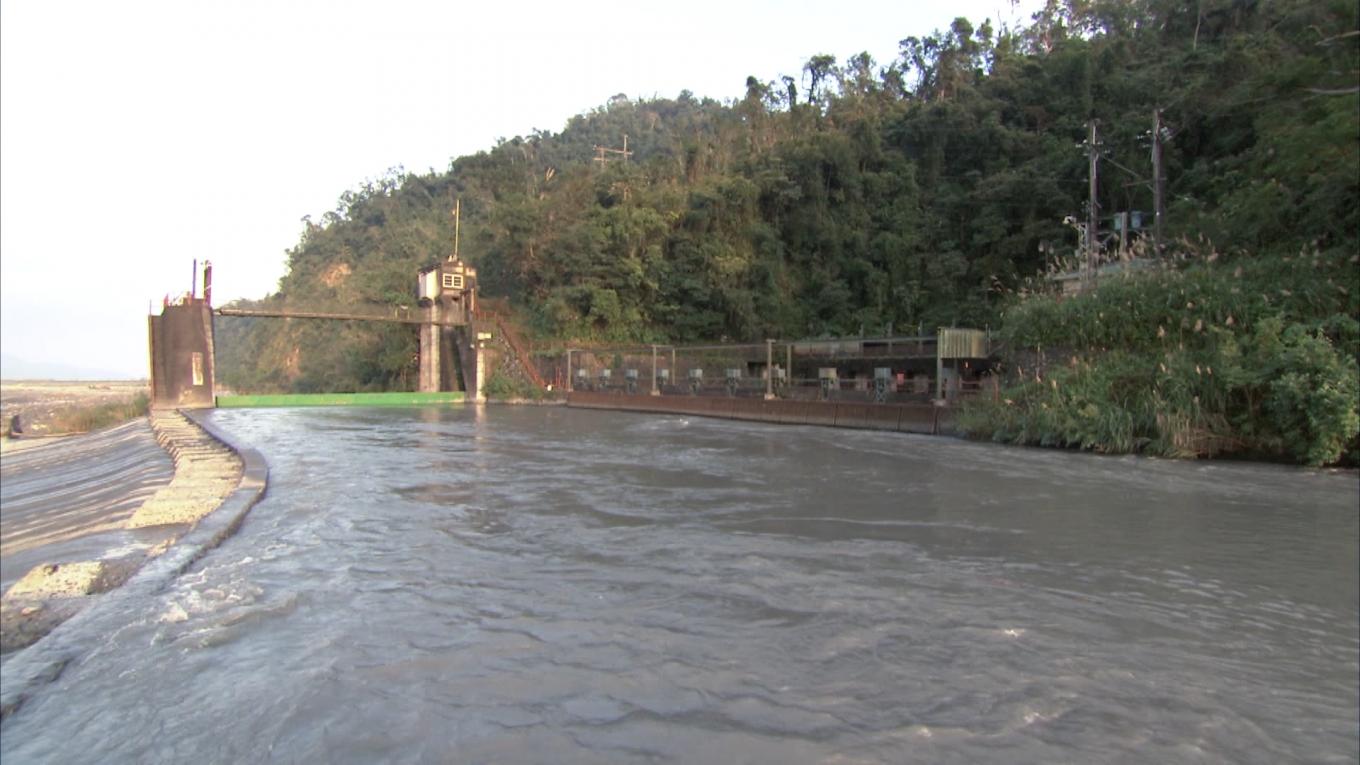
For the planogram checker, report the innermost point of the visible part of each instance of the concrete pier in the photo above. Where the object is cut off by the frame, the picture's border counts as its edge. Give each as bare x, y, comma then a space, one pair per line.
181, 346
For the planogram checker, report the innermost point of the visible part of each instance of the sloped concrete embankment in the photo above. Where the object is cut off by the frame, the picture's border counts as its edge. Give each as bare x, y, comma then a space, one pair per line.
69, 499
216, 484
204, 473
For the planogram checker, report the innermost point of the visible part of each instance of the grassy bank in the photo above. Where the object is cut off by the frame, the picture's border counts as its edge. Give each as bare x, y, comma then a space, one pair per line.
52, 407
506, 384
1252, 357
84, 419
74, 419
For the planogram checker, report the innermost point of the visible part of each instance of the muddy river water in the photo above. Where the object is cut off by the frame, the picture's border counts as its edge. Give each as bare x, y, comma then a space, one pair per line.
552, 585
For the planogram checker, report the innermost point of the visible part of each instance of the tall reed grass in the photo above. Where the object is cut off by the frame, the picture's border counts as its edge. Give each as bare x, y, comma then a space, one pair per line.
1248, 356
87, 418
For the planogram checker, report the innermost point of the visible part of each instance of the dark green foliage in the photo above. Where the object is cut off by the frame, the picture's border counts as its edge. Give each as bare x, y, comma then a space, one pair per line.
1255, 357
502, 385
920, 192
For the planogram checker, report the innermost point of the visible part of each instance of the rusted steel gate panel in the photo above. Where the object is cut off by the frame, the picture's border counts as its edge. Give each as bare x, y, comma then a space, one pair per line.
963, 344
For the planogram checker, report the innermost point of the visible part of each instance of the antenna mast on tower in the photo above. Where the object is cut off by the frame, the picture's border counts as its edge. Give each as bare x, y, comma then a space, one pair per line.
457, 222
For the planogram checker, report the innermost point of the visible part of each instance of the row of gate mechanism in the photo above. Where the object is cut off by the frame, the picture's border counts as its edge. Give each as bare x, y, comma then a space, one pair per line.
827, 377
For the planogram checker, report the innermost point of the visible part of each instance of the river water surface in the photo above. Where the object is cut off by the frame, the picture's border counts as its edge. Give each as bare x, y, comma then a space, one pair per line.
553, 585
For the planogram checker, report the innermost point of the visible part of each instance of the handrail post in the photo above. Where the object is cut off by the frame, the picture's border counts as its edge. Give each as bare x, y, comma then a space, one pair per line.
655, 392
769, 369
939, 368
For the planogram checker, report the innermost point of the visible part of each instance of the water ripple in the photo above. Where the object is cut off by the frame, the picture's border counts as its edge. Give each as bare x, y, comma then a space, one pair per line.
506, 585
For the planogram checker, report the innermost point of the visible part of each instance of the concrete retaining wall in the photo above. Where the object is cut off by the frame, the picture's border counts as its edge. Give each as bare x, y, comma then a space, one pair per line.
904, 418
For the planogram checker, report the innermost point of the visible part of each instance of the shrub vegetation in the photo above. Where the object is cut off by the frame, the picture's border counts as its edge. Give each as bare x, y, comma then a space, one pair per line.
86, 419
1243, 356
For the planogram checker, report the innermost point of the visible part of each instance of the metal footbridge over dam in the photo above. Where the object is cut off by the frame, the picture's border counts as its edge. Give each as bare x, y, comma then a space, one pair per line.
456, 335
395, 316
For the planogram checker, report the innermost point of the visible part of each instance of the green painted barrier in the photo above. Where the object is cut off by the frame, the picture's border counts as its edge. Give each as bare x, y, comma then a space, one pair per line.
339, 399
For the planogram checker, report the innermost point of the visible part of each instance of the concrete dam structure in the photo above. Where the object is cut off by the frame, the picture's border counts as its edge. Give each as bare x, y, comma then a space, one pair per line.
454, 339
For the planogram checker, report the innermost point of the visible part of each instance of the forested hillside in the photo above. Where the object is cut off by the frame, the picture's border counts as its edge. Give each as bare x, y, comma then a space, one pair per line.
858, 196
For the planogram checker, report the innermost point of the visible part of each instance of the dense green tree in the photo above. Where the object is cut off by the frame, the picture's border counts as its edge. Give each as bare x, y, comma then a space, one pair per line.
923, 191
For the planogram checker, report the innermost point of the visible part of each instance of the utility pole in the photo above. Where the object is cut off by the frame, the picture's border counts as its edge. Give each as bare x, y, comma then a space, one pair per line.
602, 152
1092, 220
1158, 183
457, 224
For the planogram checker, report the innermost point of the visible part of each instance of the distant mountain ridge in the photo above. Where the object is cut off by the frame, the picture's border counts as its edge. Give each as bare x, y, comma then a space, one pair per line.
15, 368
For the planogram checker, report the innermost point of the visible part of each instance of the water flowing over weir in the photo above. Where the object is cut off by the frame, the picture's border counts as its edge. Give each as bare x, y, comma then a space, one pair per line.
543, 584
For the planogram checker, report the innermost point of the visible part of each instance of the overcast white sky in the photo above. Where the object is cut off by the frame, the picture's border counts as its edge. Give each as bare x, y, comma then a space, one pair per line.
137, 136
